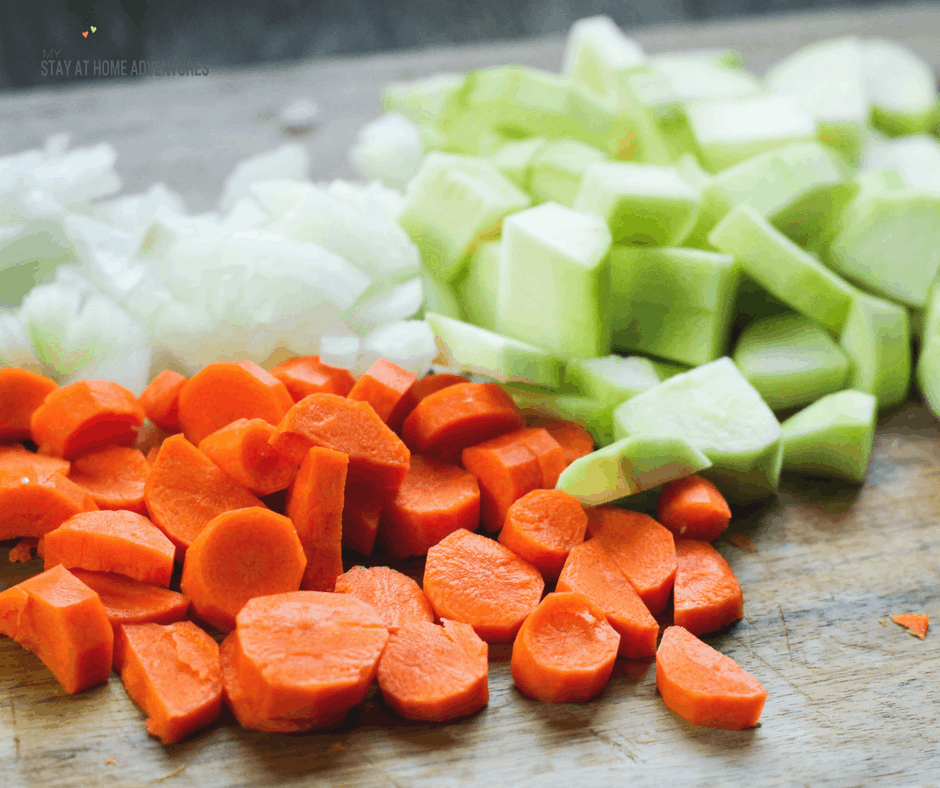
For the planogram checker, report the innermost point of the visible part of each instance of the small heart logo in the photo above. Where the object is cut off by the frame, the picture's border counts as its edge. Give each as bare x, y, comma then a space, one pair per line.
94, 29
85, 34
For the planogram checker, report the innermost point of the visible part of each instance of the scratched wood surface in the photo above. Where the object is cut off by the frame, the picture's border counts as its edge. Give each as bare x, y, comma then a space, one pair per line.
851, 701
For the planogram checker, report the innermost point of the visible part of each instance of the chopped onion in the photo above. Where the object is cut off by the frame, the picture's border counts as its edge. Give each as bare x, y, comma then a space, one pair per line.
389, 148
291, 162
408, 343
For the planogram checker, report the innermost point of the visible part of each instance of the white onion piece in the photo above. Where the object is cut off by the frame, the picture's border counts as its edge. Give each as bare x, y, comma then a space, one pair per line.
389, 148
247, 214
277, 197
289, 161
408, 343
80, 175
134, 212
373, 198
16, 350
88, 234
46, 313
340, 351
396, 303
129, 368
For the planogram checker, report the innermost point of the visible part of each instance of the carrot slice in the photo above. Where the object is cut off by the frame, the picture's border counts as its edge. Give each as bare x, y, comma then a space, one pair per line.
238, 556
129, 601
160, 400
18, 460
397, 598
383, 386
448, 421
705, 687
915, 623
435, 673
565, 651
303, 658
509, 466
376, 454
425, 388
242, 449
84, 416
62, 621
589, 570
542, 527
575, 440
315, 507
24, 550
173, 673
114, 476
693, 508
226, 391
707, 594
436, 499
477, 581
308, 375
362, 513
122, 542
21, 393
185, 490
644, 551
32, 504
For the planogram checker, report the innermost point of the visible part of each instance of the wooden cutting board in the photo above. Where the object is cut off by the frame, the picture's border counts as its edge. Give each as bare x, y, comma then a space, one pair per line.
852, 701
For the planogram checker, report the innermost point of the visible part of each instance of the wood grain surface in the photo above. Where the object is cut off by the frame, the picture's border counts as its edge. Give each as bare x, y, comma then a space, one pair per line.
851, 701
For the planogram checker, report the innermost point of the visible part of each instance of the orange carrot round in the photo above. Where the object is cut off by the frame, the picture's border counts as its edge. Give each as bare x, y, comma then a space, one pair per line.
477, 581
707, 594
362, 513
33, 504
575, 440
542, 527
18, 460
705, 687
434, 673
242, 449
21, 393
84, 416
308, 375
238, 556
114, 476
160, 400
436, 499
397, 598
226, 391
693, 508
129, 601
565, 651
425, 388
384, 386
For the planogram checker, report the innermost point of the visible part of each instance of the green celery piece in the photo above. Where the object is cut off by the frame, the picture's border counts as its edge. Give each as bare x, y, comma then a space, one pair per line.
514, 159
557, 168
715, 408
660, 121
596, 51
613, 378
628, 466
476, 289
594, 415
782, 268
421, 99
441, 297
554, 280
451, 204
902, 86
474, 349
790, 360
832, 437
879, 181
644, 204
928, 361
666, 369
876, 338
704, 81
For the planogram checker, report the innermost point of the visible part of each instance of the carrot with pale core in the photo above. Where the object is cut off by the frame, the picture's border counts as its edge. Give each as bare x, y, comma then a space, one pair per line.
693, 508
226, 391
114, 476
436, 499
173, 673
589, 570
434, 673
129, 601
362, 513
242, 449
915, 623
308, 375
706, 687
62, 621
542, 527
160, 400
18, 460
707, 595
21, 393
104, 541
575, 440
565, 651
384, 386
34, 504
238, 556
477, 581
397, 598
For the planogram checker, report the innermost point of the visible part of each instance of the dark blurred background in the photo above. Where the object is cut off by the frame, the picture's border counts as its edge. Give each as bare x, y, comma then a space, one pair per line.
234, 32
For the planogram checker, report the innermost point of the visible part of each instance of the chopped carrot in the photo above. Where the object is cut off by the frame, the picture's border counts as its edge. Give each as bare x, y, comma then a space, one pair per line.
509, 466
120, 541
18, 460
706, 687
62, 621
160, 400
436, 499
24, 550
542, 527
362, 512
243, 451
173, 673
114, 476
315, 507
376, 454
448, 421
644, 551
435, 673
33, 505
238, 556
21, 393
477, 581
589, 570
693, 508
916, 623
707, 594
185, 490
308, 375
575, 440
597, 516
565, 651
129, 601
397, 598
384, 386
302, 659
226, 391
152, 456
424, 388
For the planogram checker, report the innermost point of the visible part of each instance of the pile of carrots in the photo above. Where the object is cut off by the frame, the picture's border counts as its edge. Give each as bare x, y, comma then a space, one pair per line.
230, 511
